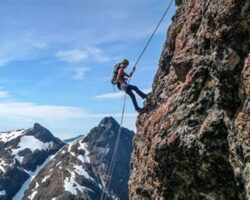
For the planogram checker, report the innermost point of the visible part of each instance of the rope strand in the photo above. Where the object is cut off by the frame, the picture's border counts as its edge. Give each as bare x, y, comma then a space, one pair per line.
152, 35
118, 141
112, 164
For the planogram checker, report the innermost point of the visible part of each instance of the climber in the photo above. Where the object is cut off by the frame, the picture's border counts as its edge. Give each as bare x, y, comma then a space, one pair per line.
121, 82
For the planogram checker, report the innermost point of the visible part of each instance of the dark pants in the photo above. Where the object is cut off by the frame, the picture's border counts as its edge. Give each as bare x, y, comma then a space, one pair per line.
129, 91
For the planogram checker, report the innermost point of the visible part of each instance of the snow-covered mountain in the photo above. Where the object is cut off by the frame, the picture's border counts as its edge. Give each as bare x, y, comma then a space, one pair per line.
79, 169
22, 155
35, 165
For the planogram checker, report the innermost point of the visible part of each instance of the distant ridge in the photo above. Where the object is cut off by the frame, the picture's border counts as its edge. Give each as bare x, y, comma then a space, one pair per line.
73, 139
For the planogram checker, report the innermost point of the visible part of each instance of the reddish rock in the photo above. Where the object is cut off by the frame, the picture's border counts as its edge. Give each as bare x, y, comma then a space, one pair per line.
192, 141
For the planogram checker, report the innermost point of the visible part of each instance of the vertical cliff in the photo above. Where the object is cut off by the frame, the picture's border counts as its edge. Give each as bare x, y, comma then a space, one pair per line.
193, 139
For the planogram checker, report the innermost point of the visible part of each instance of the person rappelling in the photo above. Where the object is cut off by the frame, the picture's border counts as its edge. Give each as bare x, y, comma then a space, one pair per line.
120, 78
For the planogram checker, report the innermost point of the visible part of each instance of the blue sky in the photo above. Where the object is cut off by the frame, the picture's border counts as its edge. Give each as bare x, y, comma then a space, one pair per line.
57, 56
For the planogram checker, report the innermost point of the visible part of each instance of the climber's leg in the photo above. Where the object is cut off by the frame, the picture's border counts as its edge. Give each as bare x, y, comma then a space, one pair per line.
139, 92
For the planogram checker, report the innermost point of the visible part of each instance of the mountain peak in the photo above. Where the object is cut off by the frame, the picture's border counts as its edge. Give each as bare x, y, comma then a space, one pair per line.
83, 166
38, 126
22, 155
108, 121
42, 133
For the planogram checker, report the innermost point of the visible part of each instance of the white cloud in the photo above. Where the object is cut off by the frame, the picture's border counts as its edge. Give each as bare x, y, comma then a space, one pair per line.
36, 111
97, 54
80, 55
3, 94
20, 46
116, 95
79, 73
71, 56
16, 114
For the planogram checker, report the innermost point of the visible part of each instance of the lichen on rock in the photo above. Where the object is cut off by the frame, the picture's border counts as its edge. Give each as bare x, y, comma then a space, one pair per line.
193, 139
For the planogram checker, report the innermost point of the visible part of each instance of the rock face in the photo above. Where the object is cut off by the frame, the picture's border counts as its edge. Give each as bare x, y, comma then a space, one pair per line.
193, 139
79, 169
21, 153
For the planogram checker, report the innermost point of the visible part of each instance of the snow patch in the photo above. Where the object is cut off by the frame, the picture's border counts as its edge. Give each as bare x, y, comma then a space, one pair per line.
104, 150
3, 164
79, 170
26, 184
45, 178
69, 148
32, 195
17, 157
28, 172
6, 137
72, 186
2, 193
30, 142
58, 163
37, 185
84, 158
34, 192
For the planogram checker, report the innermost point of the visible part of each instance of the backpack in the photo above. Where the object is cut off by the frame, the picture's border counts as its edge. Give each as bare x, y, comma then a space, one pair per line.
115, 72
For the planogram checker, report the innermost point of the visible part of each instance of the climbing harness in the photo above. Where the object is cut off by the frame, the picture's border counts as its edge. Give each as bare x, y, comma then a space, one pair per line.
114, 156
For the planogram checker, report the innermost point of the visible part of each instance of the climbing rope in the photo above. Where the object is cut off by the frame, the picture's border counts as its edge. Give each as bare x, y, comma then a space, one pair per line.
152, 35
114, 156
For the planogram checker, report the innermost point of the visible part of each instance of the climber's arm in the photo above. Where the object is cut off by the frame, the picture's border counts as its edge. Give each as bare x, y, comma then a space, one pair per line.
127, 75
